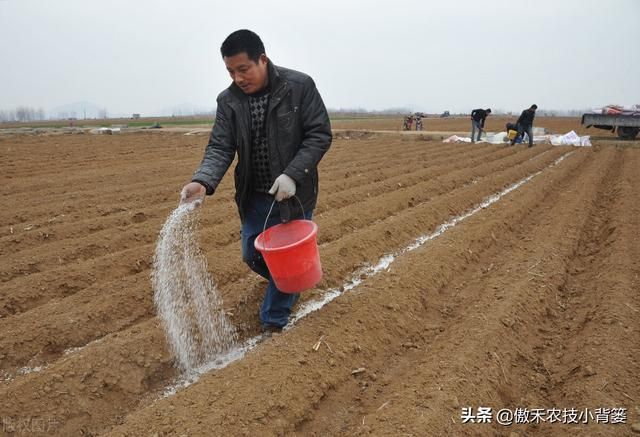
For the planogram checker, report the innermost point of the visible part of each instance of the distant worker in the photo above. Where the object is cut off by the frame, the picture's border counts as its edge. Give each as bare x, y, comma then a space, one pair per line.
478, 117
405, 123
409, 122
525, 124
513, 127
418, 122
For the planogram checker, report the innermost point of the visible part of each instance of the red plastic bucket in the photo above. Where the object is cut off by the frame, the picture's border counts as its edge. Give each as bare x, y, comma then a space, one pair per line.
291, 253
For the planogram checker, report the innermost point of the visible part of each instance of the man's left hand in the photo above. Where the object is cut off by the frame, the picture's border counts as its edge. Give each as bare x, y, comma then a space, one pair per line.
283, 188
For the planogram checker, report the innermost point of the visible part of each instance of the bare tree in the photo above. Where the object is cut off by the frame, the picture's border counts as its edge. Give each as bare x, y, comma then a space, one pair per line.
20, 114
25, 113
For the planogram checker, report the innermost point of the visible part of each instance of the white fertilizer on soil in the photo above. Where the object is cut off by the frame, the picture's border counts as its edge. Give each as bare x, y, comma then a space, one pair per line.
357, 277
186, 296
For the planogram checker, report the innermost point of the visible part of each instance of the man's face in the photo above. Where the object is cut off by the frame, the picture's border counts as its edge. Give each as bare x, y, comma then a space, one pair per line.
250, 76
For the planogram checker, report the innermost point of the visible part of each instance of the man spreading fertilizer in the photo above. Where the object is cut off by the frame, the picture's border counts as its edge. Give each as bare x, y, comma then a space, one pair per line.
275, 121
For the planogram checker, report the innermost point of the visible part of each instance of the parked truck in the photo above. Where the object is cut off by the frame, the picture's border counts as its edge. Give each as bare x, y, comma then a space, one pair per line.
627, 126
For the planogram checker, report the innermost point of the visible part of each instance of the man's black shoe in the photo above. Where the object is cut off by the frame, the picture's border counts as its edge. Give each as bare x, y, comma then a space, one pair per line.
269, 330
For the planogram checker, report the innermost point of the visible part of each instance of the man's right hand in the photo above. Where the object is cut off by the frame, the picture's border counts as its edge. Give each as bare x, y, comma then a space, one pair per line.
193, 192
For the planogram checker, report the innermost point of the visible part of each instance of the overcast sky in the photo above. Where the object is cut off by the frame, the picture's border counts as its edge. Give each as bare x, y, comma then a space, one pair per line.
147, 56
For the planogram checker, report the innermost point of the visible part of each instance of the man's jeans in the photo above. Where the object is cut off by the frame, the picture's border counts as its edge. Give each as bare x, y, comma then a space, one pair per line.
475, 125
276, 306
521, 131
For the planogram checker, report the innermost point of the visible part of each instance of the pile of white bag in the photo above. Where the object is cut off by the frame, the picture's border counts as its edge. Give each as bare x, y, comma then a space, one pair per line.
570, 139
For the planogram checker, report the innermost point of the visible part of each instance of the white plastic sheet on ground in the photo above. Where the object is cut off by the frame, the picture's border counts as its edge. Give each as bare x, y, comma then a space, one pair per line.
498, 138
457, 139
105, 130
568, 139
539, 131
490, 137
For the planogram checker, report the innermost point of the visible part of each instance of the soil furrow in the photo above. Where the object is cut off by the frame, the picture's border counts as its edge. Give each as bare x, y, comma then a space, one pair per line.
103, 218
366, 329
240, 295
94, 356
481, 350
57, 279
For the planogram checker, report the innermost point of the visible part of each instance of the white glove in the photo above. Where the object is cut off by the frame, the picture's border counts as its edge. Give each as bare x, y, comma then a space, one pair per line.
283, 188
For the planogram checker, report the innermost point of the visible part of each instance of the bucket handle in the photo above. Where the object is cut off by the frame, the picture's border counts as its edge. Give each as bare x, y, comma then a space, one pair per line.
264, 228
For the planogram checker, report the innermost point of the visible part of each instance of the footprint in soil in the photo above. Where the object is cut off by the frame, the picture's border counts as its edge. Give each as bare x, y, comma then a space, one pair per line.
139, 217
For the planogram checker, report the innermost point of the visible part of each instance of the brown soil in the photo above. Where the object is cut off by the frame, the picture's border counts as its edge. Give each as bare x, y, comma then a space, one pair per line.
532, 302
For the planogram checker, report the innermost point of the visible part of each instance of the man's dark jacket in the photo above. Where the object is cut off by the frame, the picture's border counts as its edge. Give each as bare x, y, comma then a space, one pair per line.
298, 135
526, 118
479, 115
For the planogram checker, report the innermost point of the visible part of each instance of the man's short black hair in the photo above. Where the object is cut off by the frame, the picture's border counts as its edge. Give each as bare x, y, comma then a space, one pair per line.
534, 106
243, 41
489, 110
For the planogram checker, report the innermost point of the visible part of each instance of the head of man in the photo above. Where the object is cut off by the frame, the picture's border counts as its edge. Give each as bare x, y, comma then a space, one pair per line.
246, 61
488, 111
534, 107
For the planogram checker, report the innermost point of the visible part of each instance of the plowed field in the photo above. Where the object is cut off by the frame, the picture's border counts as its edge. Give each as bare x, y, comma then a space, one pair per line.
529, 299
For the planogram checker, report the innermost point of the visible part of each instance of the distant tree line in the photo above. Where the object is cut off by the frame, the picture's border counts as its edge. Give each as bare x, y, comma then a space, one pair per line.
362, 112
27, 114
542, 112
22, 113
177, 112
